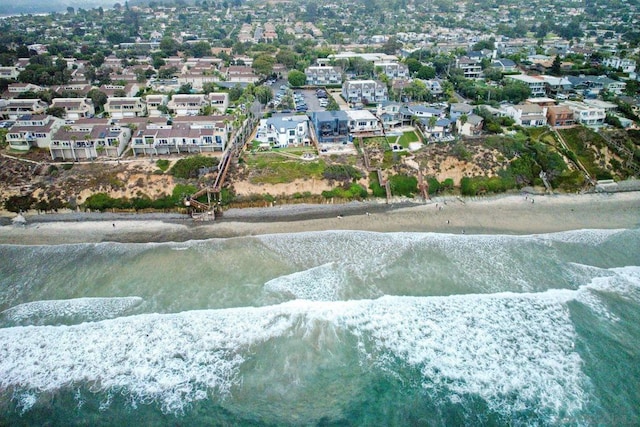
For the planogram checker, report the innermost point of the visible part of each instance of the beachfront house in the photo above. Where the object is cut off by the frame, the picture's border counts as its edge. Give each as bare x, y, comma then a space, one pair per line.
363, 123
391, 114
559, 116
331, 127
32, 131
282, 132
185, 135
472, 126
89, 139
586, 114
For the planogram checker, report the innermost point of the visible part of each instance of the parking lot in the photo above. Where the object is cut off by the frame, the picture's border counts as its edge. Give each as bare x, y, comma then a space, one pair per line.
305, 97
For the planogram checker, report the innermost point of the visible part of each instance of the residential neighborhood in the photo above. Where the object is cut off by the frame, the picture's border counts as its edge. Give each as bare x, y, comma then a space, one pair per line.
177, 79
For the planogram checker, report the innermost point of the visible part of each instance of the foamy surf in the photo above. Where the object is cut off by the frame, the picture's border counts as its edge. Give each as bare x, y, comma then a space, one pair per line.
69, 311
513, 350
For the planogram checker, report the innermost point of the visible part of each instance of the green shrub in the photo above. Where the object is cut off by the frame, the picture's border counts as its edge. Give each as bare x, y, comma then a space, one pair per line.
163, 164
481, 185
375, 187
99, 202
403, 185
352, 192
434, 185
19, 203
447, 184
341, 173
67, 166
188, 167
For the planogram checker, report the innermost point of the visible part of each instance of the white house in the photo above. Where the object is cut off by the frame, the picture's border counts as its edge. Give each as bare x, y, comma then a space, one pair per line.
471, 67
155, 104
281, 132
365, 91
323, 75
75, 108
425, 111
89, 139
33, 131
17, 108
535, 83
627, 65
219, 101
154, 138
15, 89
527, 114
363, 121
393, 70
187, 105
586, 114
119, 108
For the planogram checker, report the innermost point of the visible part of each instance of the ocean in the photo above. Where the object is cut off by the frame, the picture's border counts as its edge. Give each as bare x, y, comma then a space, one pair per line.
324, 328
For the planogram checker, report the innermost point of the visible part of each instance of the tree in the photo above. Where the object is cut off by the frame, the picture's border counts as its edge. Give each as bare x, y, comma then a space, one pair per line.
200, 49
263, 64
167, 73
185, 88
413, 65
425, 72
391, 46
556, 66
235, 93
169, 46
296, 78
417, 91
97, 60
263, 94
56, 111
287, 57
98, 98
515, 91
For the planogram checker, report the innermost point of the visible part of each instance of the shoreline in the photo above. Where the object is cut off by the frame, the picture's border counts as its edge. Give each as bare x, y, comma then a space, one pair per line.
503, 214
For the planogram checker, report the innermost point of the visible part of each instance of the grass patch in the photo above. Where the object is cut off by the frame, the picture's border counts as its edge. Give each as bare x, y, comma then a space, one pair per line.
270, 168
407, 138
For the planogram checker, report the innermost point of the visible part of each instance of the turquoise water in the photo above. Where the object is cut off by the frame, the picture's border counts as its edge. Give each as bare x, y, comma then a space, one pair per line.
324, 328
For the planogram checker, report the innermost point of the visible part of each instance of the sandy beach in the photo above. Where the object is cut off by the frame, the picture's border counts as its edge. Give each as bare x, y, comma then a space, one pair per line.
506, 214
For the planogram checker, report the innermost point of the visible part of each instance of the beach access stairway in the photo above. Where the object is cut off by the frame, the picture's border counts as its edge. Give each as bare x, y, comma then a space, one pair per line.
577, 161
369, 168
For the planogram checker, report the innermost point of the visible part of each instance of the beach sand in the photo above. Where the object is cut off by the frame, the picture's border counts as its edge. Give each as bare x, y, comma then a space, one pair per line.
506, 214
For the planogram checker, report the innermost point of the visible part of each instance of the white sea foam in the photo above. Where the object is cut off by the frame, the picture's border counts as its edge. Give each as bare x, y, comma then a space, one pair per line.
362, 252
514, 351
323, 283
582, 237
78, 310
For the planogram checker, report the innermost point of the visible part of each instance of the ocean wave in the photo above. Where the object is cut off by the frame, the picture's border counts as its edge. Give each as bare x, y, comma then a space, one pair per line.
75, 310
323, 283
